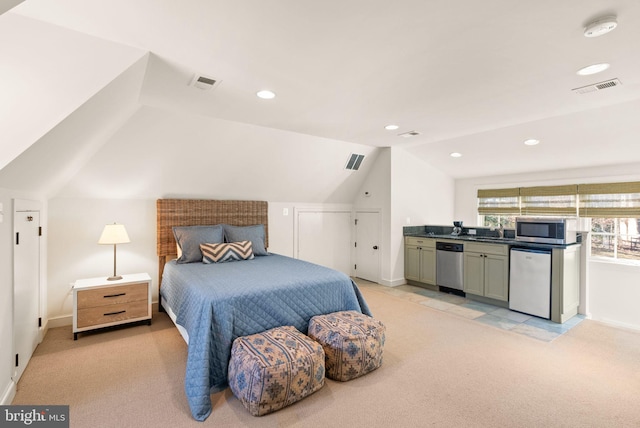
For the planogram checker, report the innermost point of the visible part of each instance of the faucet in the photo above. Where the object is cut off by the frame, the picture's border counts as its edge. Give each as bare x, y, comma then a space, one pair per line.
500, 230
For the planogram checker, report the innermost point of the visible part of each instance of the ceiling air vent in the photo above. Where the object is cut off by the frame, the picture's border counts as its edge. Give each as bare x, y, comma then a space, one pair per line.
409, 134
354, 162
598, 86
203, 82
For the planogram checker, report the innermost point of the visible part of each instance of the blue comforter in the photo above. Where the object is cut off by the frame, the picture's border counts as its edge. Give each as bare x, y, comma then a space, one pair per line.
216, 303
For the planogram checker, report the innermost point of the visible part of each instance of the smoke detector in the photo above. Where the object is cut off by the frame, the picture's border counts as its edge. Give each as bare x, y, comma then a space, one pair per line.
601, 26
203, 82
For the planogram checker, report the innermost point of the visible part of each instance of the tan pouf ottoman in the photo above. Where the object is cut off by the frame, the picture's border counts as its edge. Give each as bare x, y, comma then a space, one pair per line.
275, 368
352, 343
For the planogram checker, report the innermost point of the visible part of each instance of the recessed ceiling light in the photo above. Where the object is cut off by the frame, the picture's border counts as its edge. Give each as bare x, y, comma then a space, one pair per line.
455, 155
593, 69
531, 142
391, 127
266, 95
600, 26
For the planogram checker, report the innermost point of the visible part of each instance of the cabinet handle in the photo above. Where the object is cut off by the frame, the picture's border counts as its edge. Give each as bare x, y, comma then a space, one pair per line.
114, 313
114, 295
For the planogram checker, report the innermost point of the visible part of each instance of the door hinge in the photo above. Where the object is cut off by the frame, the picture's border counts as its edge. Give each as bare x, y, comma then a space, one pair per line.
17, 238
39, 230
356, 220
40, 322
355, 266
355, 244
17, 360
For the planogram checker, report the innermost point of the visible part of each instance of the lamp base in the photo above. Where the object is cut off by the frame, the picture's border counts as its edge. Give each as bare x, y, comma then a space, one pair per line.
114, 278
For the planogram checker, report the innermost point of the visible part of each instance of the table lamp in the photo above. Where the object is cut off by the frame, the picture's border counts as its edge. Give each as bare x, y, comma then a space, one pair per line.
114, 234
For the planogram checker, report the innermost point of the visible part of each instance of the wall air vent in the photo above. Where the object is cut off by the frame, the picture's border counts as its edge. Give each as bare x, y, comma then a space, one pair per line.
598, 86
203, 82
409, 134
354, 162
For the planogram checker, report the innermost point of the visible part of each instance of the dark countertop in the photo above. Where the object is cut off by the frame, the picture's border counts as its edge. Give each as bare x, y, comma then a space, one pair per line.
490, 240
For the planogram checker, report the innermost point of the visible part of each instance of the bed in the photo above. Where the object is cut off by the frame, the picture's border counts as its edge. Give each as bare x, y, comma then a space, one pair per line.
214, 303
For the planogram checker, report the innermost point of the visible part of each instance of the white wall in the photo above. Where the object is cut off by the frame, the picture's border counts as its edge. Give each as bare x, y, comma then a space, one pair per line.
404, 187
420, 194
611, 288
378, 185
159, 154
74, 228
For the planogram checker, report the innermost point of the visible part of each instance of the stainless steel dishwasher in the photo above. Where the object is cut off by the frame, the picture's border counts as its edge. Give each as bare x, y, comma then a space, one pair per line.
450, 265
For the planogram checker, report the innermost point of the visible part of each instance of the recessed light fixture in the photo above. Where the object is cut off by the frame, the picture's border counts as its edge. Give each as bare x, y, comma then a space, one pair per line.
593, 69
531, 142
266, 95
391, 127
600, 26
455, 155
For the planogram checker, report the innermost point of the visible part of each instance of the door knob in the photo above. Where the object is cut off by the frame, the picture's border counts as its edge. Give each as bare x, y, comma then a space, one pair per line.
375, 247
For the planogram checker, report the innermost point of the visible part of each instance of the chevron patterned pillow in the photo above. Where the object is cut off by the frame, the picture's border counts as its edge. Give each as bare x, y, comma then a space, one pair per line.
228, 252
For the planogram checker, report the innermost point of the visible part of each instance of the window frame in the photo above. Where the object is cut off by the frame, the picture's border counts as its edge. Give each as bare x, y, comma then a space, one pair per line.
586, 204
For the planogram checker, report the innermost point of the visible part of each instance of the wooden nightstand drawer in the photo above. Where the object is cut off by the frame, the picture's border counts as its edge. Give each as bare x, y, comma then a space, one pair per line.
112, 295
111, 313
99, 302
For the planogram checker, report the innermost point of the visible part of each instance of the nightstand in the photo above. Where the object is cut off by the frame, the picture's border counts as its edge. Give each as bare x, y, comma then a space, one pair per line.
99, 303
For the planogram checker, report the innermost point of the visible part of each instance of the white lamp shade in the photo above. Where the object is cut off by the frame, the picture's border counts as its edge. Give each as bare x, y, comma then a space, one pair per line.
114, 234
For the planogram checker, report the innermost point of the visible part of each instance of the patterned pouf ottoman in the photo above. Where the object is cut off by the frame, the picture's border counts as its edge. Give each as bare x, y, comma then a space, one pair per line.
275, 368
352, 343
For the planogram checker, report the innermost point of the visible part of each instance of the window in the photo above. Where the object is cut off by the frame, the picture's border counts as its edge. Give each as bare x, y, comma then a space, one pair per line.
499, 201
549, 200
617, 238
613, 208
508, 222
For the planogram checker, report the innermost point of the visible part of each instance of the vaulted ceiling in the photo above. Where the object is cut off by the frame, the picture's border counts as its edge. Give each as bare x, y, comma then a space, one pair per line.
472, 77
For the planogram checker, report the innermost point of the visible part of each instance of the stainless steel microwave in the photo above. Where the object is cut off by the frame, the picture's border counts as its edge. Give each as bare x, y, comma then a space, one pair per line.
546, 230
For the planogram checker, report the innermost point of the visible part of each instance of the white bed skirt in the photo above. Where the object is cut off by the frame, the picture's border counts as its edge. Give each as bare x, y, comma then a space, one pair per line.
172, 315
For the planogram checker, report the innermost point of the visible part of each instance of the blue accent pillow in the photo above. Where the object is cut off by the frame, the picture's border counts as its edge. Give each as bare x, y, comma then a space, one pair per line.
254, 233
189, 239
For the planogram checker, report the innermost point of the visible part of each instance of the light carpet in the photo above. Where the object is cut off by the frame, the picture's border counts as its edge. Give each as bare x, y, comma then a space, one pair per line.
439, 370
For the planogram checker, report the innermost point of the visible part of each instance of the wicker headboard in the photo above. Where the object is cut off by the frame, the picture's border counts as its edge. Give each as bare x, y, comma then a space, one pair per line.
197, 212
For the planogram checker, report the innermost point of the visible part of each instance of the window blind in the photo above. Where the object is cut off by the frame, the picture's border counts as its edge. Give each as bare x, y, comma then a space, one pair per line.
549, 200
610, 200
499, 201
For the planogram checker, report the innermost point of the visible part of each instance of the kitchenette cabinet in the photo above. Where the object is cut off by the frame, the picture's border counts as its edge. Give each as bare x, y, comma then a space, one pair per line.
486, 267
486, 270
420, 260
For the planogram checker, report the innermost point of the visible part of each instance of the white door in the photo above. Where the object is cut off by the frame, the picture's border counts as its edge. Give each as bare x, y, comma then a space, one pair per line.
368, 246
324, 238
26, 287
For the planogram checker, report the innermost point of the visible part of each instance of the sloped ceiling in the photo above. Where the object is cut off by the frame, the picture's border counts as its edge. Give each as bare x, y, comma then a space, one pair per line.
48, 164
159, 153
474, 77
46, 73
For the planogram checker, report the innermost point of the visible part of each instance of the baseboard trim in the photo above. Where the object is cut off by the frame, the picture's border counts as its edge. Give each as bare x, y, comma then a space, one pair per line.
9, 394
392, 283
62, 321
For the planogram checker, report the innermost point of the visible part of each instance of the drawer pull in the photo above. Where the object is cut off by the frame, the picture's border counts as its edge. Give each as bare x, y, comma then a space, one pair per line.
114, 313
114, 295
